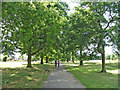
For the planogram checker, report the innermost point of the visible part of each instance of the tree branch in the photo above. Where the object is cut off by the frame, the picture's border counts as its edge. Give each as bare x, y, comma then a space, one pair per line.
110, 22
36, 51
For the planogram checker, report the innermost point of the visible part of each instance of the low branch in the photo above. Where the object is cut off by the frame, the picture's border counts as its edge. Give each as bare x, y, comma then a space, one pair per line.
110, 22
16, 51
36, 51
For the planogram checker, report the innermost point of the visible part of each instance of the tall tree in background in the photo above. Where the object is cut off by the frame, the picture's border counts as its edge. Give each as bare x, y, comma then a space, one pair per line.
81, 30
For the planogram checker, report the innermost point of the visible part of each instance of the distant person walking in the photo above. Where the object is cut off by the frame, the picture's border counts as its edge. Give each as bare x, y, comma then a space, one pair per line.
55, 63
58, 63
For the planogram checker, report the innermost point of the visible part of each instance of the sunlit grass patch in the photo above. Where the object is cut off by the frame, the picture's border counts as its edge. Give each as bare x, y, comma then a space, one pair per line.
25, 77
90, 76
16, 64
113, 65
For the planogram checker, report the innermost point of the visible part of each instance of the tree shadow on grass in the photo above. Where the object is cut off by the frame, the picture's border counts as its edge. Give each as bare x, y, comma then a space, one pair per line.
112, 66
89, 68
84, 69
24, 77
91, 77
108, 66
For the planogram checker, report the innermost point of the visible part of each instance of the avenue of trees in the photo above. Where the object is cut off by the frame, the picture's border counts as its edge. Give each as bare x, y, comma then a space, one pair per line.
45, 30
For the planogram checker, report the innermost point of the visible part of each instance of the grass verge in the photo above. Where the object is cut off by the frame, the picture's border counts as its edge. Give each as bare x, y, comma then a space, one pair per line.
25, 77
89, 75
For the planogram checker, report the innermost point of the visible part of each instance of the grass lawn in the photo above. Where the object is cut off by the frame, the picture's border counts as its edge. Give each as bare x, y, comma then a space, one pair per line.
91, 77
112, 65
25, 77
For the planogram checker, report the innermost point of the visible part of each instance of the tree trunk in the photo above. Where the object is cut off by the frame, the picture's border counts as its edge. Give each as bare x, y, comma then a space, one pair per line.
29, 58
72, 57
42, 59
46, 59
119, 37
81, 61
102, 51
103, 61
67, 60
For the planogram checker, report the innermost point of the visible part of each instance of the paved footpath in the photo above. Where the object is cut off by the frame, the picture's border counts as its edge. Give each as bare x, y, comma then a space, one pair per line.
61, 78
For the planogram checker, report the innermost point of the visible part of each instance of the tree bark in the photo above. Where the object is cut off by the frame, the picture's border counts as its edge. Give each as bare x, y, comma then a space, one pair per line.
102, 51
67, 60
29, 58
46, 59
81, 61
103, 59
103, 62
42, 59
73, 57
119, 42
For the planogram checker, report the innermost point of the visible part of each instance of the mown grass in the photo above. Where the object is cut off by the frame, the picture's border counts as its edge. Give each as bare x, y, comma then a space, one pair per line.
91, 77
25, 77
112, 65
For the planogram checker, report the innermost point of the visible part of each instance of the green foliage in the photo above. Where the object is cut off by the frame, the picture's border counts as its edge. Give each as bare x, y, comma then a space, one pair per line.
113, 57
35, 59
108, 57
103, 27
30, 28
45, 28
77, 32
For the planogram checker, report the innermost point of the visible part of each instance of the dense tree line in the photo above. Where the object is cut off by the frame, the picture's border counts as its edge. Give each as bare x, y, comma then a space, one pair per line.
45, 30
